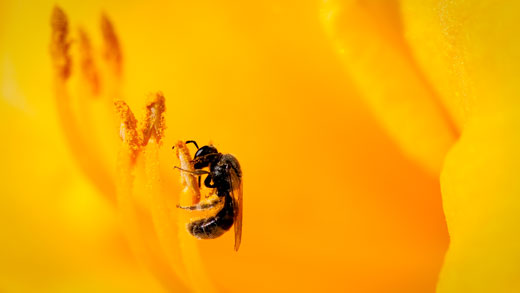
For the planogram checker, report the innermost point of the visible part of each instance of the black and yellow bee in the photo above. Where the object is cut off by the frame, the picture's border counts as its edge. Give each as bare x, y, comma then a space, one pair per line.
224, 176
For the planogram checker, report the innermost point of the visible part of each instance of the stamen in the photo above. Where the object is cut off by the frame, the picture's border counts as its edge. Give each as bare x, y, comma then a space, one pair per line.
154, 226
145, 208
83, 148
60, 43
88, 67
112, 52
152, 126
128, 130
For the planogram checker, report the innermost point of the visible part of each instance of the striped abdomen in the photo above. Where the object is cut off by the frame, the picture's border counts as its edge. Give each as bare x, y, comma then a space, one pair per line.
216, 225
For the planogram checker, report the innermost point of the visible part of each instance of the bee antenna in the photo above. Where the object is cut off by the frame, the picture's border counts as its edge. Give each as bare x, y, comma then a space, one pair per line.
193, 142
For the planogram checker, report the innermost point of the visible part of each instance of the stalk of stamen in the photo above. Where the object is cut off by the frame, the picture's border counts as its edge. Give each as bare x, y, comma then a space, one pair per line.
88, 158
179, 248
137, 222
95, 94
152, 130
161, 206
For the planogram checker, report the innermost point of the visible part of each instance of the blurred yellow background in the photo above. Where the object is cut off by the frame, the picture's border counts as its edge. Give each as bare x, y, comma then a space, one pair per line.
341, 114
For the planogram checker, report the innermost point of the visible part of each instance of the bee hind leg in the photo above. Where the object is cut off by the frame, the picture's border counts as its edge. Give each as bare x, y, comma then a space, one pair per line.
206, 205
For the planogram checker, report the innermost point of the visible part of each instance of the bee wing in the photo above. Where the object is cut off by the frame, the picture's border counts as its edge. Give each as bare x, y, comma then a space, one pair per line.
236, 194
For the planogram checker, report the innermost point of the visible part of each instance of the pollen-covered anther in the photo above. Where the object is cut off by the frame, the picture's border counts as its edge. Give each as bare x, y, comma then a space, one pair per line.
128, 129
153, 126
112, 51
60, 44
88, 67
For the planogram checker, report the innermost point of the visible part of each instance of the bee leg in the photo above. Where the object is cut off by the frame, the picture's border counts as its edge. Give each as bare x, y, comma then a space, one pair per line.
202, 205
207, 182
194, 172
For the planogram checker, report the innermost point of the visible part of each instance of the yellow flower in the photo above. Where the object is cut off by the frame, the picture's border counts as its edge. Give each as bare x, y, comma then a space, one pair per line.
343, 114
454, 63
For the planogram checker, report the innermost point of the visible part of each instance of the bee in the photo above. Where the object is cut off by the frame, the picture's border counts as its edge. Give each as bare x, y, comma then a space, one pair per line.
224, 177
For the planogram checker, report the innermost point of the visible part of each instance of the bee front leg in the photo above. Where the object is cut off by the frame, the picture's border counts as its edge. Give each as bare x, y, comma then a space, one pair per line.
207, 182
194, 172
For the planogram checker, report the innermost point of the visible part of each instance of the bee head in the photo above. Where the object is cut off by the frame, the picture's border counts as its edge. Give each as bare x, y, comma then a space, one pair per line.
204, 156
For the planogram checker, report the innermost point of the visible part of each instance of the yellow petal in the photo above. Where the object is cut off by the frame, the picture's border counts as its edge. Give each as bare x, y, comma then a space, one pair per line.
368, 37
470, 51
429, 33
481, 201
